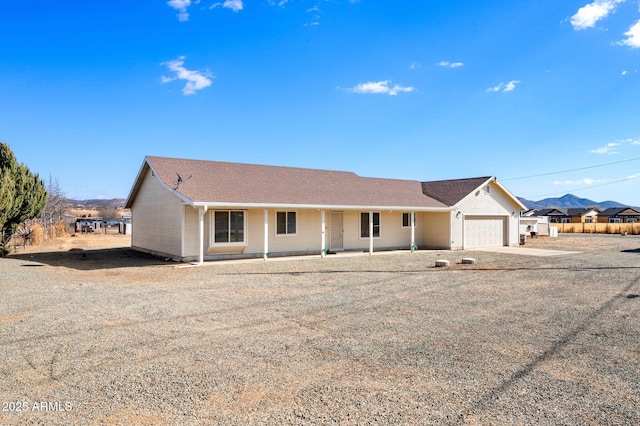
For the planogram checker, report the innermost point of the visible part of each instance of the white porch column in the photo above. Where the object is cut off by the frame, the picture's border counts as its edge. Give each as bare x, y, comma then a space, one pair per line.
370, 233
201, 214
266, 234
323, 220
413, 231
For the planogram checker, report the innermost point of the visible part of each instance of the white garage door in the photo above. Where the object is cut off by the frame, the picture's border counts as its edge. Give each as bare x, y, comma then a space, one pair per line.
484, 231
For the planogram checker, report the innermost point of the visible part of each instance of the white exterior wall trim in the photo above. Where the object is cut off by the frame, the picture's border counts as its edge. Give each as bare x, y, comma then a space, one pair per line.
319, 207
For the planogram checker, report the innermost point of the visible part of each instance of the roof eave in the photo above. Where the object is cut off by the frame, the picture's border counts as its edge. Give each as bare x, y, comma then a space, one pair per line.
136, 184
320, 206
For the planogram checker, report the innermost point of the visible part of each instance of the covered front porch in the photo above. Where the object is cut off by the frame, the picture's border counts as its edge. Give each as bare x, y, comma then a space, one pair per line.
234, 232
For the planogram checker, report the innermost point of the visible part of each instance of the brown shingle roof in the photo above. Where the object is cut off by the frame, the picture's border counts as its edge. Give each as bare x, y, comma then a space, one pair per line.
451, 192
237, 183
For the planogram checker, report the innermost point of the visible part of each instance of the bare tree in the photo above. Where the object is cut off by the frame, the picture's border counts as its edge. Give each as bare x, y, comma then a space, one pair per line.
56, 207
109, 213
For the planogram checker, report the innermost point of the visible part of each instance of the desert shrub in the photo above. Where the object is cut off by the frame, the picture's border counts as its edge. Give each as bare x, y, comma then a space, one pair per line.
36, 236
59, 229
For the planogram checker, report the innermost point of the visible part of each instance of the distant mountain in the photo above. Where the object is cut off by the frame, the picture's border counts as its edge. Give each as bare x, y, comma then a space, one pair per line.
113, 202
568, 201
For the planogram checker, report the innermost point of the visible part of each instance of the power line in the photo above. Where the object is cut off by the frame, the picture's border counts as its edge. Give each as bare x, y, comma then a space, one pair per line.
584, 188
574, 170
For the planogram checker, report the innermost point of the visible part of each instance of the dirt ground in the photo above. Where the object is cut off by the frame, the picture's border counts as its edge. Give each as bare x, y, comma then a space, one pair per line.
92, 332
82, 242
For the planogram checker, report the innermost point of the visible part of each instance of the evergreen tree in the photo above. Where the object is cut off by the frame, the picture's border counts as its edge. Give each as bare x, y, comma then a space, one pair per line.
23, 195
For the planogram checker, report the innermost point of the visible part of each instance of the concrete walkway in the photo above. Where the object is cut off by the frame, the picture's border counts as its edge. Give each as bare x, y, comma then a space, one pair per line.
525, 251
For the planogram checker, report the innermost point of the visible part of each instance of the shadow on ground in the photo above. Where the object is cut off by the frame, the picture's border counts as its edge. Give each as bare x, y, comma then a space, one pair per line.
631, 251
89, 260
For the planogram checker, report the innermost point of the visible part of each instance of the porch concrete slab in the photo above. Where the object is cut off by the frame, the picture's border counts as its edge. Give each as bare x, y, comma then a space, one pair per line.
346, 253
524, 251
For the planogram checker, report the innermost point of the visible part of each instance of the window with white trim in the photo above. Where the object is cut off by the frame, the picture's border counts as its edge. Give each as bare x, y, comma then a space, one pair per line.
228, 227
364, 225
406, 220
286, 223
614, 220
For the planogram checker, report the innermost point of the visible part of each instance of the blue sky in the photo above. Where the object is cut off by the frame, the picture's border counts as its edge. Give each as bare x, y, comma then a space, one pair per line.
418, 90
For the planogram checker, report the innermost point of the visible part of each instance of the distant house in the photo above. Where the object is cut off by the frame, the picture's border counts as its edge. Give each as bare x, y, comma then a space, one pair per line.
619, 215
571, 215
530, 213
207, 210
87, 225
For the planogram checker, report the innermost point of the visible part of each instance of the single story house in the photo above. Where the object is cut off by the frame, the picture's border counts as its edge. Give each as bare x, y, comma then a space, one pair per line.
571, 215
207, 210
619, 215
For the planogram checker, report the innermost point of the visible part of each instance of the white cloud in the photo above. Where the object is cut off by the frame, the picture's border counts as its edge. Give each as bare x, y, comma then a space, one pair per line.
587, 16
448, 64
637, 175
414, 65
280, 3
633, 37
504, 87
235, 5
610, 148
629, 141
181, 6
380, 88
584, 181
196, 80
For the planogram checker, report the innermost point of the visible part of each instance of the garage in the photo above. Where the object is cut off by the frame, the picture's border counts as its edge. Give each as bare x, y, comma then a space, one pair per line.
484, 231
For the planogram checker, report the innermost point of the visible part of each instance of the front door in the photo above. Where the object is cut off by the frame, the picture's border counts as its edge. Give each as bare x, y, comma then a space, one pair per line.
336, 232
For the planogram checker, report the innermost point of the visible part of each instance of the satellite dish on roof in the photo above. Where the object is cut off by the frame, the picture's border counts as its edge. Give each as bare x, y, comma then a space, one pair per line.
180, 180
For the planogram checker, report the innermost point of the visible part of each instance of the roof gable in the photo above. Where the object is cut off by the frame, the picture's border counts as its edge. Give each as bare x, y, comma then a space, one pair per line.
581, 211
614, 211
552, 212
628, 211
452, 191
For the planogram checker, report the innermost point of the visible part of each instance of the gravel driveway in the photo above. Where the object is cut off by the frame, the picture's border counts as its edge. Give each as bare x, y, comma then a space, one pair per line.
114, 337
